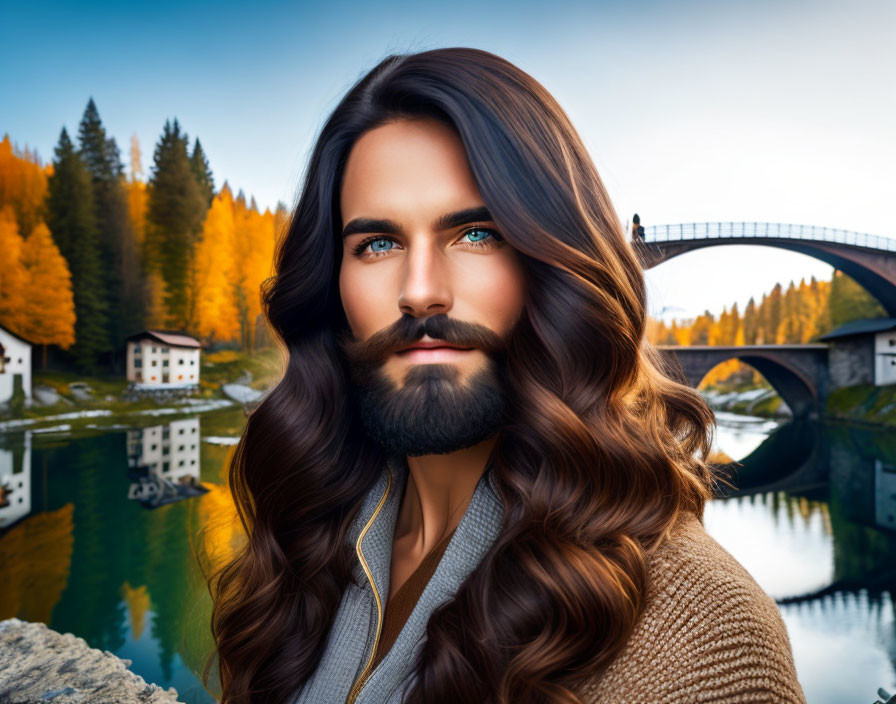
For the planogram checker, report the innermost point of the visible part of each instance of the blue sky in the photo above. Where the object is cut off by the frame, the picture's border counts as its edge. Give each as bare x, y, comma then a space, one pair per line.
692, 110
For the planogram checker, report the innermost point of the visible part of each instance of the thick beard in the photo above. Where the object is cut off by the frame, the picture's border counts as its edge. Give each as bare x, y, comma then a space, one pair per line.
433, 412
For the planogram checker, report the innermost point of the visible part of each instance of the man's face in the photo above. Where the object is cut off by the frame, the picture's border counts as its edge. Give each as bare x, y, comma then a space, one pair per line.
407, 278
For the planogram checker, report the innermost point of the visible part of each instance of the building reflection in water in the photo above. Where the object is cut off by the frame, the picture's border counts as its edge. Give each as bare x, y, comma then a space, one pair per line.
163, 462
15, 482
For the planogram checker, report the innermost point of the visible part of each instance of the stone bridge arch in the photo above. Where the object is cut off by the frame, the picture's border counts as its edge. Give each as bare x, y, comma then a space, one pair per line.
797, 372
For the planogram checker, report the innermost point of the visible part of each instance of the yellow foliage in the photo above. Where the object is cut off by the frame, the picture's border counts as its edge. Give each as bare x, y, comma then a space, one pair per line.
36, 556
235, 253
49, 305
13, 277
23, 184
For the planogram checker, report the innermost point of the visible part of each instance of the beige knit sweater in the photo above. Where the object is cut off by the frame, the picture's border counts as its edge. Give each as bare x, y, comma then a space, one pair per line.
708, 633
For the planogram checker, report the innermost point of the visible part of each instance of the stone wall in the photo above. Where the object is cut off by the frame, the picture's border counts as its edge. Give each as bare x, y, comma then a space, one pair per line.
851, 361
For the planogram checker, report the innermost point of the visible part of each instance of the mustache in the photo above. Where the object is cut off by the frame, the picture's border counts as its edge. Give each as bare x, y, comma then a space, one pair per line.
375, 350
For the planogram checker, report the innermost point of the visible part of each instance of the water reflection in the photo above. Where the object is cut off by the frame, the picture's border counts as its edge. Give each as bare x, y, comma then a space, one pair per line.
163, 463
15, 482
813, 520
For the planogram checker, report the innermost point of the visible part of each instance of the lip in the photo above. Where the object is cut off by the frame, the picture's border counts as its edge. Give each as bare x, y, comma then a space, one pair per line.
435, 353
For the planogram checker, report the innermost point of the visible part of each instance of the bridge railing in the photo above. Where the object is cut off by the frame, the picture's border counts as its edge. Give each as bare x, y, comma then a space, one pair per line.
720, 230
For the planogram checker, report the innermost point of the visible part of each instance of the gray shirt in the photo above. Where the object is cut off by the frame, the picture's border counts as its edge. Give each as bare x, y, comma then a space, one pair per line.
355, 630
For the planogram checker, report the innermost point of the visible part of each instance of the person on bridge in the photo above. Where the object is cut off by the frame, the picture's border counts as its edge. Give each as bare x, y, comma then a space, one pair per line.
474, 482
637, 230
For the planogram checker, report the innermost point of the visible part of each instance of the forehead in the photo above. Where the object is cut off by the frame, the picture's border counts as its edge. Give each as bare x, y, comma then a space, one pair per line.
404, 167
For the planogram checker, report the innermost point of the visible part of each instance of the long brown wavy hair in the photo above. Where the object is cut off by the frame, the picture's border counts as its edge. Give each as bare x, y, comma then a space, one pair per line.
604, 447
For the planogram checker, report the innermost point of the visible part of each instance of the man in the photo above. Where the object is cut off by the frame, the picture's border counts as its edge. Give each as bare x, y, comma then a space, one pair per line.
473, 463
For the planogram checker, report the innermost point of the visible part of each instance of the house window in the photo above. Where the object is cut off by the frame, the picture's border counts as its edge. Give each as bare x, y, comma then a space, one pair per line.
153, 349
180, 361
192, 361
180, 376
138, 363
153, 362
164, 362
153, 378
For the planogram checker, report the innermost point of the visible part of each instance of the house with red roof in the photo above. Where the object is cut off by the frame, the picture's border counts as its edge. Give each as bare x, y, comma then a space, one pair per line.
162, 360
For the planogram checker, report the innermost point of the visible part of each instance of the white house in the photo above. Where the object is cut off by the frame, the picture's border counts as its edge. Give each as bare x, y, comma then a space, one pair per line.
885, 357
162, 360
15, 358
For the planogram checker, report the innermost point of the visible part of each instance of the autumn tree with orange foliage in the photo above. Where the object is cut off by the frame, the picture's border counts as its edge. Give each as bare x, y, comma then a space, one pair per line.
234, 255
49, 307
23, 184
36, 300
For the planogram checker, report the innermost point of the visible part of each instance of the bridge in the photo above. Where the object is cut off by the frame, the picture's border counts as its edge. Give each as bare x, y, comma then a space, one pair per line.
799, 373
869, 259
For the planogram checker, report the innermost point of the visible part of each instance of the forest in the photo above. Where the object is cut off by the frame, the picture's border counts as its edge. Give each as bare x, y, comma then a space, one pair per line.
93, 254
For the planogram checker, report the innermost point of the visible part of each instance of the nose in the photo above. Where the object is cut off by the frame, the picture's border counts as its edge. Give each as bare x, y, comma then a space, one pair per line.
426, 282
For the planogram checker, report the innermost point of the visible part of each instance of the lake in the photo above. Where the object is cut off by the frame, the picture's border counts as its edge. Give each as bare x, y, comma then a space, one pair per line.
98, 534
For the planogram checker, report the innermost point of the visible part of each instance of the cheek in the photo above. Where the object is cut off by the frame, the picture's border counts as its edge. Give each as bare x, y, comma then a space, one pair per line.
499, 292
361, 301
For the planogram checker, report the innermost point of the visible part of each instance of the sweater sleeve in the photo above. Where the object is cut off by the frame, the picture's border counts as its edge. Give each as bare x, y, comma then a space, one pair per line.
708, 633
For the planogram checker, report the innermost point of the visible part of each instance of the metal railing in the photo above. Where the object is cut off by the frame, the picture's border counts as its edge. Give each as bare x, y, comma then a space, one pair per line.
780, 230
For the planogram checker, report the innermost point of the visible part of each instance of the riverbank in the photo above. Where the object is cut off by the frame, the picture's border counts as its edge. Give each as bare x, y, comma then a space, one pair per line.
864, 404
70, 402
762, 401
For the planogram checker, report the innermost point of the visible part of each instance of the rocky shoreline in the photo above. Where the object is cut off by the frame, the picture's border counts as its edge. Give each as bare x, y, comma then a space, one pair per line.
38, 664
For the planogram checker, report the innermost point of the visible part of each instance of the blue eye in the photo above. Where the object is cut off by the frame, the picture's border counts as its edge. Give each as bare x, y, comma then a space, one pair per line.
374, 243
487, 232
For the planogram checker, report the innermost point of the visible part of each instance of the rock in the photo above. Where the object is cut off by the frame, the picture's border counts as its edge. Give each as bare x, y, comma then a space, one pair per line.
241, 393
46, 395
37, 664
80, 390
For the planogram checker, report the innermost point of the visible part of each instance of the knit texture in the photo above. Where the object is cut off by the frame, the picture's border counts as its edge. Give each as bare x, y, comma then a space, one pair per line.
402, 602
708, 633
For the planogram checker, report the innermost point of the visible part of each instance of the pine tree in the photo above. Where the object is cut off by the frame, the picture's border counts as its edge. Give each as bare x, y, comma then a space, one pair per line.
176, 209
136, 160
202, 173
751, 323
121, 267
72, 221
773, 306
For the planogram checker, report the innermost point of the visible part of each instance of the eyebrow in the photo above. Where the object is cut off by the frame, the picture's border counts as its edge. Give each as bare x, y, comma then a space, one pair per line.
443, 222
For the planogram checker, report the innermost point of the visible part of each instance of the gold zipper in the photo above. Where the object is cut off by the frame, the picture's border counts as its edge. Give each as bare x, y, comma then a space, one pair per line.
356, 687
